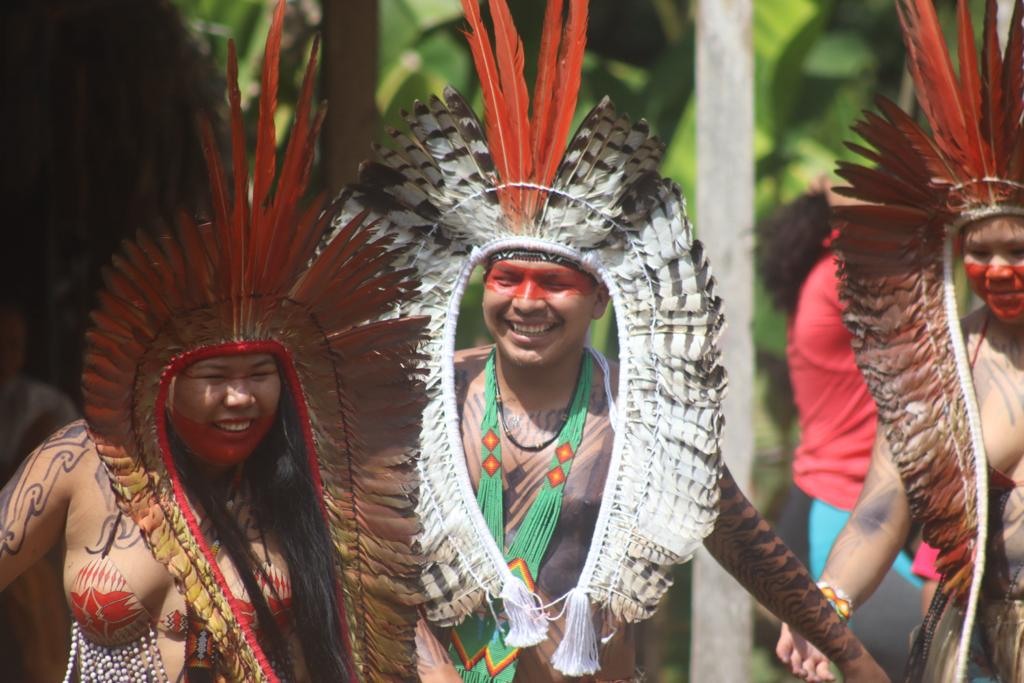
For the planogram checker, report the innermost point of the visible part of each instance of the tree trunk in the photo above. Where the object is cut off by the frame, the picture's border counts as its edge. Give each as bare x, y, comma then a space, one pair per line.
350, 29
725, 210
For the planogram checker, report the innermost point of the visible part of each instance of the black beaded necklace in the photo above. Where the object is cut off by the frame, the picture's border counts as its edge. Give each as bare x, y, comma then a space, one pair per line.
554, 435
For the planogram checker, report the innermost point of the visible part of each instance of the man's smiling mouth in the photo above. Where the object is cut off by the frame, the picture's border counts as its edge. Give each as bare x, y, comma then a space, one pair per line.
528, 330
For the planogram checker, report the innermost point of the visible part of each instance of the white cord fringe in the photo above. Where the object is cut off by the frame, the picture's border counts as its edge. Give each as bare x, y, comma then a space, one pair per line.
577, 654
528, 625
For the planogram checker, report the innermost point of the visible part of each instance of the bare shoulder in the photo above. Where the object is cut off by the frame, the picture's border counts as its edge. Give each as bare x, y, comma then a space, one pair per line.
470, 364
34, 503
66, 451
475, 357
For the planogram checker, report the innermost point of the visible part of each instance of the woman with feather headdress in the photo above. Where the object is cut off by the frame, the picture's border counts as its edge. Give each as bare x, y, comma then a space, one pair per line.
948, 453
238, 503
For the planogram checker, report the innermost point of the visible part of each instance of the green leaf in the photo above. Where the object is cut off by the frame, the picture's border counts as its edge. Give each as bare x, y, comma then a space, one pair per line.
784, 31
399, 31
839, 55
432, 13
446, 58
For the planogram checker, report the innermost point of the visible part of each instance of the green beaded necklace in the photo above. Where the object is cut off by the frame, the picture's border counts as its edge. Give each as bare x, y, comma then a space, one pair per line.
478, 643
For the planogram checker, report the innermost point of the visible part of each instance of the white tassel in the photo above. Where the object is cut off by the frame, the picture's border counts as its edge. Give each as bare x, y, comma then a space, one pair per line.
577, 653
528, 625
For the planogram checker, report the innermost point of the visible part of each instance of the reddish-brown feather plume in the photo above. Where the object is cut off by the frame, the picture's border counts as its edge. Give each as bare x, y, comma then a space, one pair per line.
937, 88
970, 88
235, 246
495, 113
509, 49
927, 149
546, 83
570, 71
263, 241
288, 230
265, 163
525, 145
1013, 94
218, 184
991, 83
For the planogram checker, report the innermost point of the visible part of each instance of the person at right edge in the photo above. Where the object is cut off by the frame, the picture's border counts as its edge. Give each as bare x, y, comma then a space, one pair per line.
948, 453
558, 489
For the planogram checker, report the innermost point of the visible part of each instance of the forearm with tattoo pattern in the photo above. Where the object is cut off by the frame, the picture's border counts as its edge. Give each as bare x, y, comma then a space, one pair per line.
749, 549
877, 528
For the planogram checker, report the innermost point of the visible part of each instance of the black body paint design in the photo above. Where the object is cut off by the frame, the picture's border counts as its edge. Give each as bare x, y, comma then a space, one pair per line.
117, 530
22, 501
749, 549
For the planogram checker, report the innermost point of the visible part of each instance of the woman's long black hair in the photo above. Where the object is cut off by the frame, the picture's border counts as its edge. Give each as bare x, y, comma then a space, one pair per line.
285, 505
789, 243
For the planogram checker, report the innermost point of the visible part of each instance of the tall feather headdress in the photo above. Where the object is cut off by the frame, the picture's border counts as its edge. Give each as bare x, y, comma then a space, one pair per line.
457, 193
257, 279
897, 256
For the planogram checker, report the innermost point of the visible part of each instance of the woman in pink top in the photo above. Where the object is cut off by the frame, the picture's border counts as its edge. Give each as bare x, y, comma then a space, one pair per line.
835, 411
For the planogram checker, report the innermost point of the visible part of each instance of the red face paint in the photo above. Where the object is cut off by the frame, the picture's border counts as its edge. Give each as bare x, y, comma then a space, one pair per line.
218, 446
551, 280
1002, 288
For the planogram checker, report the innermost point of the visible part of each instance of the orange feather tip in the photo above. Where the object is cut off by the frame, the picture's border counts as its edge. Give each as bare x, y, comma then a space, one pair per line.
527, 144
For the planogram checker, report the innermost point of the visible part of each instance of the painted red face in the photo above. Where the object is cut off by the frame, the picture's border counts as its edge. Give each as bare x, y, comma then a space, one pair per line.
1001, 286
520, 281
993, 253
538, 312
214, 444
224, 406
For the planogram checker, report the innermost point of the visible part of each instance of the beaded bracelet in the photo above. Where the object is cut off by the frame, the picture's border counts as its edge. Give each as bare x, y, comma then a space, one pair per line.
839, 600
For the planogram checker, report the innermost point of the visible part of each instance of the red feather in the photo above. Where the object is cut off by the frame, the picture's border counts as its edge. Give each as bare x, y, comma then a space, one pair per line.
266, 137
936, 84
510, 60
570, 72
288, 249
970, 88
526, 145
218, 184
992, 83
1013, 90
495, 113
544, 87
234, 246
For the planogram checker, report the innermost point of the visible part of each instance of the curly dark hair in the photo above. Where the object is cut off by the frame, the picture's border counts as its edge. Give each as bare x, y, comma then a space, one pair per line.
789, 243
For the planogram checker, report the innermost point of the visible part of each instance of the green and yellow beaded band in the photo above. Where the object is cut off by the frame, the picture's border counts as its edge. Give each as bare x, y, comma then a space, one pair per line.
839, 600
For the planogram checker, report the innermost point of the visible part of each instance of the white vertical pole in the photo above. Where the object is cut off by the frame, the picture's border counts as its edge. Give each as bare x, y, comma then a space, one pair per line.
1003, 16
722, 617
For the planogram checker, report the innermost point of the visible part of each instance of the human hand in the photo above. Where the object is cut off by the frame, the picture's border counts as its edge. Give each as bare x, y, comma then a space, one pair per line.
808, 663
803, 659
